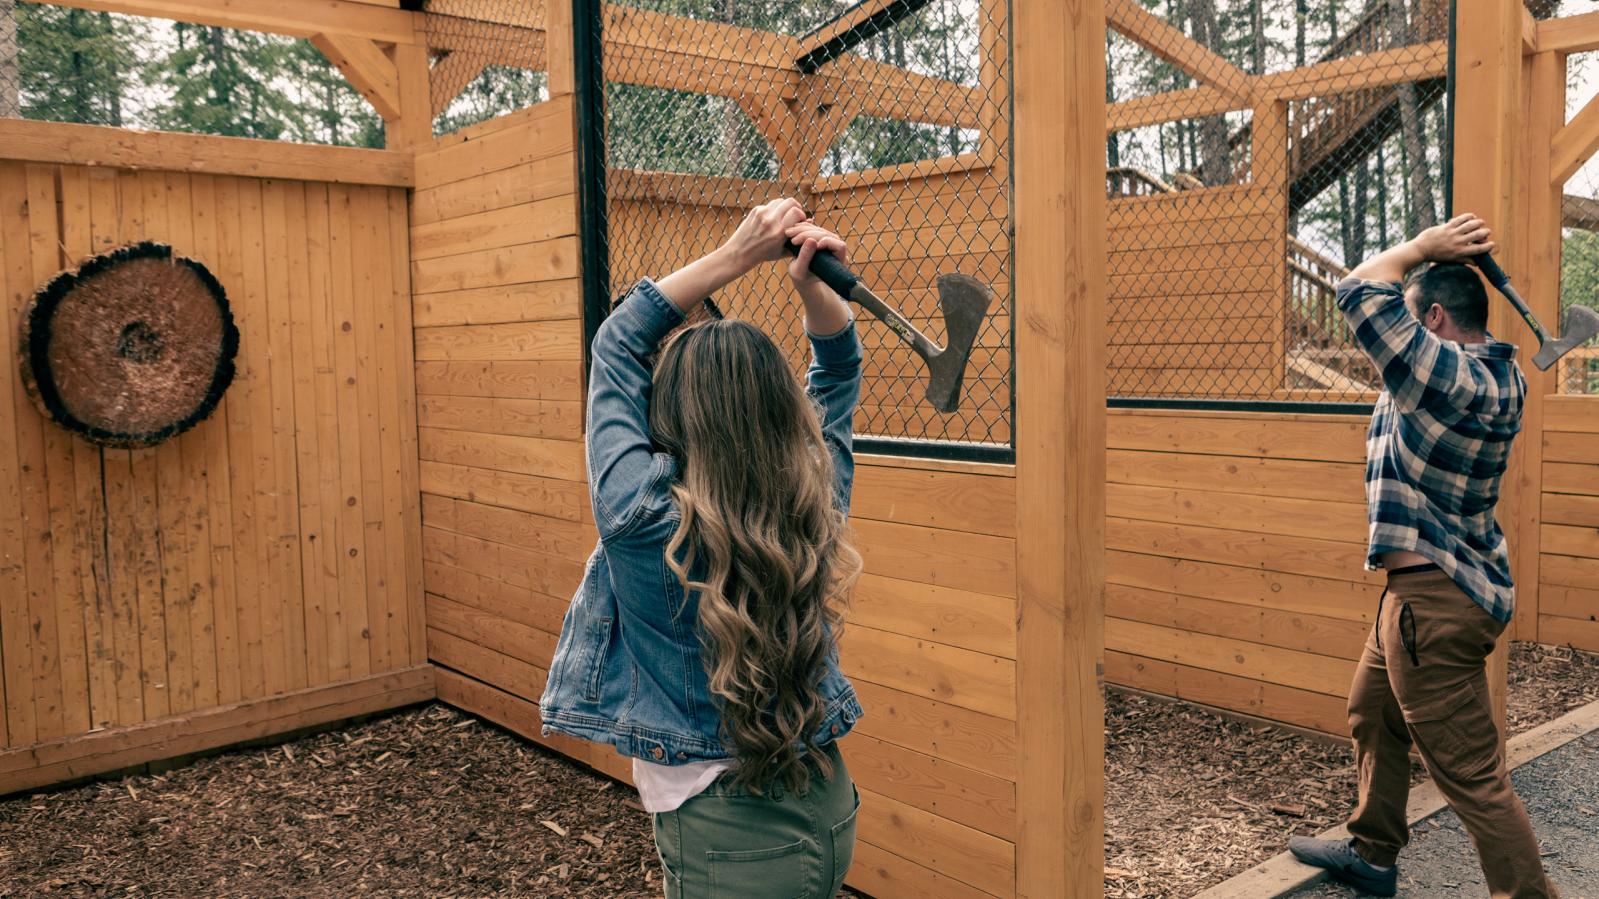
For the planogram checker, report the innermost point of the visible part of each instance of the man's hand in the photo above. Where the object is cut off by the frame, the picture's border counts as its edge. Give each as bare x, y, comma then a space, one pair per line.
1456, 240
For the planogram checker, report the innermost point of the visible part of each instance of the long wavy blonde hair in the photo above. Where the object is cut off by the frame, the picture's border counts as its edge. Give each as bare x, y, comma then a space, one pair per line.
761, 541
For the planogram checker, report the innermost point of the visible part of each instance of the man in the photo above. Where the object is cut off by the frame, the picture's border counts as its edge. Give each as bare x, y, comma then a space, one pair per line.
1436, 450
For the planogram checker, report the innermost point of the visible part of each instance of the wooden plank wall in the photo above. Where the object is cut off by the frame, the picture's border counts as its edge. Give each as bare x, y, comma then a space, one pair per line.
507, 526
1235, 546
274, 550
1206, 269
1568, 573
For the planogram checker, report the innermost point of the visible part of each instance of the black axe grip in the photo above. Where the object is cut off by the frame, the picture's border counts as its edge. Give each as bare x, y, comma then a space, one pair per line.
1490, 269
833, 273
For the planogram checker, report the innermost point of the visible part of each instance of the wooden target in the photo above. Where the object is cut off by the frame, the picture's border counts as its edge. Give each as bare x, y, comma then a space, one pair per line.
135, 346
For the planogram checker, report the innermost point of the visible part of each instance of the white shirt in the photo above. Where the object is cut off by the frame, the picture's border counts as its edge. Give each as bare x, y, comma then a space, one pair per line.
662, 788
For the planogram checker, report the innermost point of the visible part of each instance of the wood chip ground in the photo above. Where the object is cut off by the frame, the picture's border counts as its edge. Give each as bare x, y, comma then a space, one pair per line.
429, 802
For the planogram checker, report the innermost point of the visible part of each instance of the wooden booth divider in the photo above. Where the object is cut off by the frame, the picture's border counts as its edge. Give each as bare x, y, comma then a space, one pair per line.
261, 572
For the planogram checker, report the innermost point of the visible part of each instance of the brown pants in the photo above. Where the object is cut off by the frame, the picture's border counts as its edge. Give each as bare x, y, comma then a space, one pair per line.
1423, 679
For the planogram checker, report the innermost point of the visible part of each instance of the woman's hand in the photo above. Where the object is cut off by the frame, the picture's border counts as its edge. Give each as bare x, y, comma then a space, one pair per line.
810, 237
763, 233
826, 312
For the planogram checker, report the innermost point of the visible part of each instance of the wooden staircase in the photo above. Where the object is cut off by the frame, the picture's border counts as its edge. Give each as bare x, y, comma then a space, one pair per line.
1332, 133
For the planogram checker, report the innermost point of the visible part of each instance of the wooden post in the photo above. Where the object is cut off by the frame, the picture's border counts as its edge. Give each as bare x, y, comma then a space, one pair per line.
1488, 121
1268, 164
414, 127
560, 71
1540, 242
1059, 158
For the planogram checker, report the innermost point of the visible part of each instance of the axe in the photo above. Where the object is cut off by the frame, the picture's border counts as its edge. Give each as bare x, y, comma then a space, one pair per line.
1579, 324
964, 300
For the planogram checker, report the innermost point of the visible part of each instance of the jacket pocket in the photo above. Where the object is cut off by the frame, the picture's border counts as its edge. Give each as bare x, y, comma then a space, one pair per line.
599, 643
778, 873
1456, 731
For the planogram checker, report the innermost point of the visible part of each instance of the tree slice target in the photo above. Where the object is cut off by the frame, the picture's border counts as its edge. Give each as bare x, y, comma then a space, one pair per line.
134, 347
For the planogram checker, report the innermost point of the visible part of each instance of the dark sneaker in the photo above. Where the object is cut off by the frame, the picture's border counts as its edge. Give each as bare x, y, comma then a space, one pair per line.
1339, 859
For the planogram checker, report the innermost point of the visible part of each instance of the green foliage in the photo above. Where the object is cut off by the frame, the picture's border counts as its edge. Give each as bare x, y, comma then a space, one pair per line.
497, 91
104, 69
220, 81
75, 65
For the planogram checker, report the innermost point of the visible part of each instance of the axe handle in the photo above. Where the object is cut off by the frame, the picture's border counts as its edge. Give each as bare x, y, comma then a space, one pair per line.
1501, 282
847, 284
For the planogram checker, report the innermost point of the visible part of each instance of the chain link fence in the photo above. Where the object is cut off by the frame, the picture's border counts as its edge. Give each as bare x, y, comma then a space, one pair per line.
1257, 152
888, 119
1578, 372
488, 58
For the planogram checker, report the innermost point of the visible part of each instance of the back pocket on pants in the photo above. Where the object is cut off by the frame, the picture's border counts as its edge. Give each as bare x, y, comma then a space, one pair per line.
777, 873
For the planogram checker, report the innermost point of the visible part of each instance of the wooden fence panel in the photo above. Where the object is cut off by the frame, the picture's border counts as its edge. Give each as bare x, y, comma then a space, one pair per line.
1568, 582
150, 586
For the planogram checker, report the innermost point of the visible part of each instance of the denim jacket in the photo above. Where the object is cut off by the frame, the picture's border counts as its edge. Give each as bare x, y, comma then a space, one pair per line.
627, 669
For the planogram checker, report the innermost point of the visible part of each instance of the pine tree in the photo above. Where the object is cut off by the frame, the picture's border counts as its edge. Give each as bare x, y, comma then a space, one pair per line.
330, 111
75, 65
224, 82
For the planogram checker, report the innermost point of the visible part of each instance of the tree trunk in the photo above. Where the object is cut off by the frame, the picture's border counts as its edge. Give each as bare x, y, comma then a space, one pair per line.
81, 104
1257, 22
1361, 210
1301, 13
1113, 150
1212, 158
1420, 190
113, 63
1382, 198
10, 75
1346, 223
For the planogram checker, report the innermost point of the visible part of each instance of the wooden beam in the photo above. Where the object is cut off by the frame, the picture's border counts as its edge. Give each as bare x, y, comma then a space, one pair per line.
1353, 73
1170, 43
505, 45
202, 153
366, 68
1529, 32
562, 71
1059, 159
1172, 106
116, 748
1570, 34
297, 18
413, 127
1574, 143
450, 75
1488, 121
1539, 235
855, 24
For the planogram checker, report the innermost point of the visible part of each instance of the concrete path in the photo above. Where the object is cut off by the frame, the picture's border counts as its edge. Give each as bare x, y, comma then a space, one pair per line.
1561, 790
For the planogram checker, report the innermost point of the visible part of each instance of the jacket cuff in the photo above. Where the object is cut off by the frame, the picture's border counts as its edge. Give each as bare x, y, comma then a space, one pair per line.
654, 315
838, 350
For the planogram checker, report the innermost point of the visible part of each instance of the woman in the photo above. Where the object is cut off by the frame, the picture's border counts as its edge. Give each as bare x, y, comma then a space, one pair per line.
702, 642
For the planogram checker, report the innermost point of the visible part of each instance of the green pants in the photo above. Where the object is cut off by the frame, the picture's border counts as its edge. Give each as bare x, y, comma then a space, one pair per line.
726, 845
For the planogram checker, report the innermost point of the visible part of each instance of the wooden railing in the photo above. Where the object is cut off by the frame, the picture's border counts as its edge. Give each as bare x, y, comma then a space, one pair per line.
1130, 181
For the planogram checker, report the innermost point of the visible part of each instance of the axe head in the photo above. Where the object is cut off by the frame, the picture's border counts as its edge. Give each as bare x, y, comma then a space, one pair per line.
965, 302
1578, 326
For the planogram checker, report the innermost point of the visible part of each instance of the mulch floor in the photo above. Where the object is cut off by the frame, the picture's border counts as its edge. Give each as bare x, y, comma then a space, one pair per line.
430, 802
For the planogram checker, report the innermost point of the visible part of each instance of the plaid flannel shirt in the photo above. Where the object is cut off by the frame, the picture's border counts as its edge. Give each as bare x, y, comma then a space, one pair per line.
1438, 444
